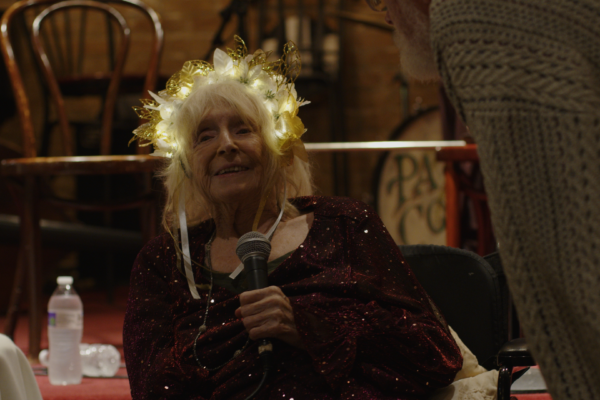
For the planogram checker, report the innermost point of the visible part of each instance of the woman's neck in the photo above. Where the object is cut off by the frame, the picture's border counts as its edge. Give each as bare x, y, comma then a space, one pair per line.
235, 220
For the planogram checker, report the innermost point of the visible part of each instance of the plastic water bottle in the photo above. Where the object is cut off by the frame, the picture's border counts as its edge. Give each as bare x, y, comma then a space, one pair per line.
97, 360
65, 327
100, 359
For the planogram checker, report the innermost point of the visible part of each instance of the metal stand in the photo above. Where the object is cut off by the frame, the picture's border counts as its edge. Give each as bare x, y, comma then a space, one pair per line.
237, 7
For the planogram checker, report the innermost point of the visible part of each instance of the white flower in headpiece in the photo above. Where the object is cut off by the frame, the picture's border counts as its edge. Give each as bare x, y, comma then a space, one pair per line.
164, 149
247, 75
223, 67
165, 130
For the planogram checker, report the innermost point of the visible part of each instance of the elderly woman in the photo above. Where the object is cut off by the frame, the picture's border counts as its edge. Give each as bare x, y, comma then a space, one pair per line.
345, 314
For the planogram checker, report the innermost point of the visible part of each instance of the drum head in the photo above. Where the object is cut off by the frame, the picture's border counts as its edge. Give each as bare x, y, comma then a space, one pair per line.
409, 191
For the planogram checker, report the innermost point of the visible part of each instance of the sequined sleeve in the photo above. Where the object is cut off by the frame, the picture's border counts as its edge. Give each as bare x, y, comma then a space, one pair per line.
373, 322
148, 332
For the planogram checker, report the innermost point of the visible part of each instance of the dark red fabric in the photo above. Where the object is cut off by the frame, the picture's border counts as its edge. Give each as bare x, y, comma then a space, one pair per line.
370, 329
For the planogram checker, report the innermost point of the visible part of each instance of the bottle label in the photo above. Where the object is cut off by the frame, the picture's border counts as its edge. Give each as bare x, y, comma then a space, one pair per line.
65, 319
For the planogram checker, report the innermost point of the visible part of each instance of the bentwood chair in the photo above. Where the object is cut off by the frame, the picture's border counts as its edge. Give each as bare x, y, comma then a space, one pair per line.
32, 172
472, 294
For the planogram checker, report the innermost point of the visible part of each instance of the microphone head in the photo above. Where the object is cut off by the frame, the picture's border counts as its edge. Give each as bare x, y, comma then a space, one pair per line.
253, 244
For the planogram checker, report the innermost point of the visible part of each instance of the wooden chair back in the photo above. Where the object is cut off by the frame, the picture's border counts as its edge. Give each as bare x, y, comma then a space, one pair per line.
59, 59
51, 78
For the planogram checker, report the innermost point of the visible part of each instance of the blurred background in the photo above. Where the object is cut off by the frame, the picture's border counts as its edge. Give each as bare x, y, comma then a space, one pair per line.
350, 74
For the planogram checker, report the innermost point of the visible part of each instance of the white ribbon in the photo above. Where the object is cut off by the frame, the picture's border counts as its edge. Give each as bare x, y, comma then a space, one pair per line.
185, 246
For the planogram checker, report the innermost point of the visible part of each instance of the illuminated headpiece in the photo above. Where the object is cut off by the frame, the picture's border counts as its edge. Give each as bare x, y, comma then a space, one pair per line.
271, 82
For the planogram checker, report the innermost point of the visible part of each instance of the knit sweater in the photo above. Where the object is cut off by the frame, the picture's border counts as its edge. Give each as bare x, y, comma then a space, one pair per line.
525, 77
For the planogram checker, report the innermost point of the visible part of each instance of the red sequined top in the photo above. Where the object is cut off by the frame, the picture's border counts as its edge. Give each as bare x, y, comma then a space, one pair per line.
369, 328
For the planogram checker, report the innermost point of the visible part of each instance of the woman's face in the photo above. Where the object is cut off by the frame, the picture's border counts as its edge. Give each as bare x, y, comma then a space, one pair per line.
230, 156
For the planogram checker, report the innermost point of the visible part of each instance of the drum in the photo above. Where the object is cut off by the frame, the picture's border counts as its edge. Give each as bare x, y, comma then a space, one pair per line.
409, 185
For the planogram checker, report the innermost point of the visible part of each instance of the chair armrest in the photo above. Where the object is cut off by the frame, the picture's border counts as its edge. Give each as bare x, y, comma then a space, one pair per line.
515, 354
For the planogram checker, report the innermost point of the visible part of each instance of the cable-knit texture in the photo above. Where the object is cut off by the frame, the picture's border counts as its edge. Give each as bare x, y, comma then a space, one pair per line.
525, 77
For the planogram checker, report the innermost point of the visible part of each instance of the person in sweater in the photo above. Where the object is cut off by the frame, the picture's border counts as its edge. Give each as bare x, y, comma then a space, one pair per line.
344, 311
524, 76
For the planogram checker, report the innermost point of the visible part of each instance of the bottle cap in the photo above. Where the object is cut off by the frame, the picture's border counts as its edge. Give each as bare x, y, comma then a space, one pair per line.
64, 280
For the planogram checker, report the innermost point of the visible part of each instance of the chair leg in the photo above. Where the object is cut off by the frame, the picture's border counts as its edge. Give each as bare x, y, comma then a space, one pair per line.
31, 245
148, 211
504, 383
453, 234
110, 276
152, 220
12, 314
148, 223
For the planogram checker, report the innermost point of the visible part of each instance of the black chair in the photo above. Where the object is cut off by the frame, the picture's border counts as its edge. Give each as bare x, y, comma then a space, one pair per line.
471, 292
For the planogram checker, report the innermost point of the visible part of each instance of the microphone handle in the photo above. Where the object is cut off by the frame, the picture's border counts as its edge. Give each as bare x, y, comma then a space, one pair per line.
256, 272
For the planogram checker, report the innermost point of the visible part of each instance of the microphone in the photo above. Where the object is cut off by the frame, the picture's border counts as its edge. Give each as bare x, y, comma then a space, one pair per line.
253, 249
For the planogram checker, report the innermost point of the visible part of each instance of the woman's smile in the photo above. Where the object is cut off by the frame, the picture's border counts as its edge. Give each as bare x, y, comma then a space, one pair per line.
231, 170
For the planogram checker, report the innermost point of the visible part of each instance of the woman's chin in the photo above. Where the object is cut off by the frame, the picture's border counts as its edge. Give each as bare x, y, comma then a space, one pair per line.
230, 196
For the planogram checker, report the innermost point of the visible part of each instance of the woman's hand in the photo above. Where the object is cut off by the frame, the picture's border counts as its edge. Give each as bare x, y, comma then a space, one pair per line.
267, 313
